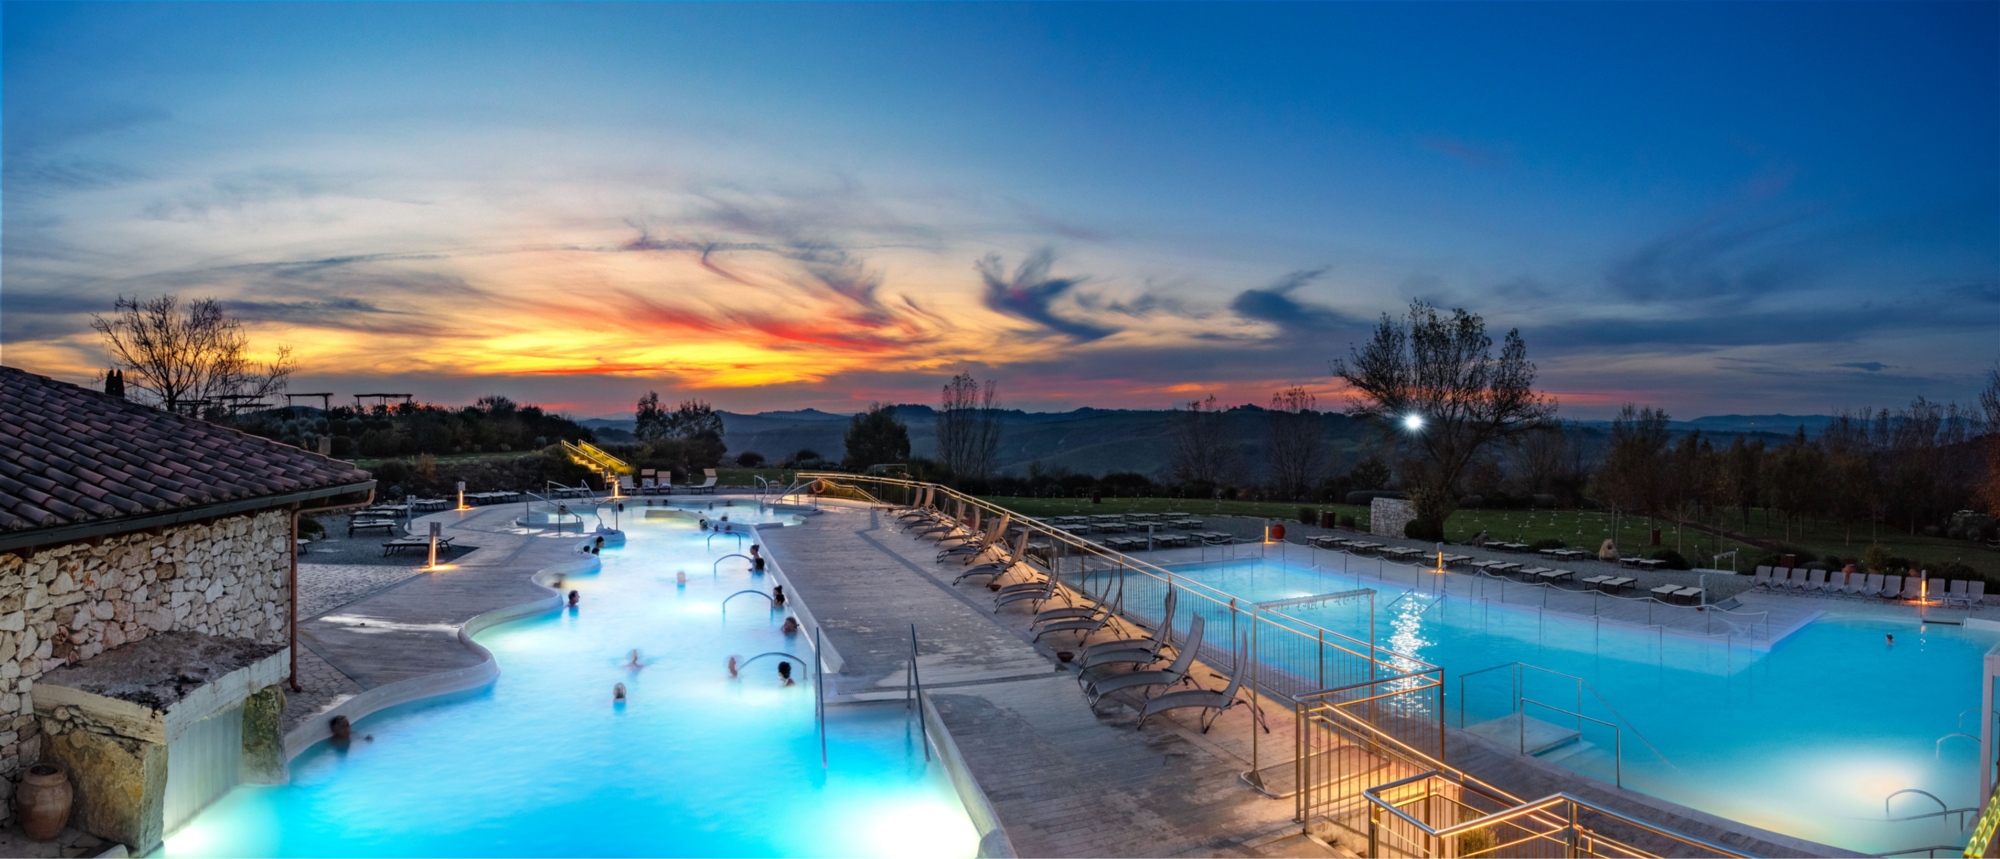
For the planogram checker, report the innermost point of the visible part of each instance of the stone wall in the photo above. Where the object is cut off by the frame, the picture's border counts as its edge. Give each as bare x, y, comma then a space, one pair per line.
227, 577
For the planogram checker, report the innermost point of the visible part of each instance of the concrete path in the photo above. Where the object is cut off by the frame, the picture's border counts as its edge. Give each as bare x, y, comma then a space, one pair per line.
410, 629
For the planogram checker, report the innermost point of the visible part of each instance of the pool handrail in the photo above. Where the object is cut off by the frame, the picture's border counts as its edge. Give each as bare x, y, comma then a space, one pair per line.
1532, 808
1582, 685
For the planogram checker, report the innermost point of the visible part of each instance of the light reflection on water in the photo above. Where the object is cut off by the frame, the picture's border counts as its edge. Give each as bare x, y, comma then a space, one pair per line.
542, 763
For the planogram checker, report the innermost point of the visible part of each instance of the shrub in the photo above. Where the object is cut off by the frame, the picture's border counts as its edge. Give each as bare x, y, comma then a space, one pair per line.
1362, 498
311, 529
1308, 516
1347, 520
749, 459
1420, 529
1673, 559
1877, 558
1954, 570
1548, 543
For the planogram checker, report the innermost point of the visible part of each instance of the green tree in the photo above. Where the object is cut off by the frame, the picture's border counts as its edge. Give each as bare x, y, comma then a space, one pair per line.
649, 421
876, 437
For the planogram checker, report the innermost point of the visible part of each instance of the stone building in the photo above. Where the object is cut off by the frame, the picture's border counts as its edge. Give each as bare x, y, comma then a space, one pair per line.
147, 564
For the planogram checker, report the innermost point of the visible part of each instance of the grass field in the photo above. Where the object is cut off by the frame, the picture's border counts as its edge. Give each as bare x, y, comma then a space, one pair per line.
1583, 529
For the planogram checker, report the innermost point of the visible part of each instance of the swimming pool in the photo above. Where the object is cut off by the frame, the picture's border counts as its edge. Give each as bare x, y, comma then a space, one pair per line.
541, 763
1807, 737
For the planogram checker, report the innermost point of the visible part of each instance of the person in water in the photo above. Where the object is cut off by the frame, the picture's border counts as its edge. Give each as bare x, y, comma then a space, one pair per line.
1892, 640
681, 577
343, 731
732, 667
573, 597
791, 626
756, 559
785, 673
618, 693
633, 662
778, 596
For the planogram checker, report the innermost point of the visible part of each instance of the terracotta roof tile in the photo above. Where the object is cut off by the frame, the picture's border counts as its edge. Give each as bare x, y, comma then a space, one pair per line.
70, 455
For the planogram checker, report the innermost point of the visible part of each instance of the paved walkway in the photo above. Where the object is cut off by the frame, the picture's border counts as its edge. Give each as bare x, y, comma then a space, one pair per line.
409, 628
1062, 780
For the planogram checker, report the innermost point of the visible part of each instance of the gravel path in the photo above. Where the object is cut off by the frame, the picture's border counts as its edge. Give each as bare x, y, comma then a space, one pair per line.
325, 587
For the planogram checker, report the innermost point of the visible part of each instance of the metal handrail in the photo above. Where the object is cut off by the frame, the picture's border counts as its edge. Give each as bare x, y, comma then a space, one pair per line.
1582, 685
1617, 737
913, 693
1560, 798
716, 570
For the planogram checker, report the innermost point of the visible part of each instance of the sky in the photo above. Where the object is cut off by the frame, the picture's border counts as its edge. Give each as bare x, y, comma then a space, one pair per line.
1710, 207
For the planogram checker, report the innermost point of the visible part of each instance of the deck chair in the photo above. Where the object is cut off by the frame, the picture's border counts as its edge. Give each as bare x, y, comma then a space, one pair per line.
1892, 587
1815, 581
1175, 672
1800, 576
1913, 588
1872, 587
1009, 556
1955, 593
1205, 699
1840, 584
1036, 592
971, 545
1975, 592
1082, 626
707, 483
1763, 578
1132, 650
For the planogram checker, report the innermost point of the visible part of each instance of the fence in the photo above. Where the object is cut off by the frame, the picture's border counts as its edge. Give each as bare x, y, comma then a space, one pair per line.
1364, 716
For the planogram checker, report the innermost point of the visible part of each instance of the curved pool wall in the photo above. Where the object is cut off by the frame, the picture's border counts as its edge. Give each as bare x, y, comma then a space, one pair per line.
1807, 737
534, 759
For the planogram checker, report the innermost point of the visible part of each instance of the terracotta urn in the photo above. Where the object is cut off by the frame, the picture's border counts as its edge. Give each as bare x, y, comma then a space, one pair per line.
41, 802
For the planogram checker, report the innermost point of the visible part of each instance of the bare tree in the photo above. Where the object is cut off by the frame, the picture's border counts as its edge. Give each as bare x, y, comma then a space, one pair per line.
1295, 443
968, 426
1989, 406
1631, 477
1440, 372
1199, 453
186, 356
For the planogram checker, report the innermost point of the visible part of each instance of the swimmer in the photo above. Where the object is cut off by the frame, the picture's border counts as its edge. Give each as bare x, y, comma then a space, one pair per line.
1892, 640
757, 565
777, 596
704, 524
573, 597
732, 667
791, 626
633, 662
681, 578
618, 693
343, 731
785, 673
754, 551
600, 542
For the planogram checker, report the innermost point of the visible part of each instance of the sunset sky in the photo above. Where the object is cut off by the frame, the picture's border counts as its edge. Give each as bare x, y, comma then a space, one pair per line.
1712, 207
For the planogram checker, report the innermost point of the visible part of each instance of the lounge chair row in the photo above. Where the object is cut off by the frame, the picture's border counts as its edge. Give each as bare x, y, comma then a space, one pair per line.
656, 482
1877, 585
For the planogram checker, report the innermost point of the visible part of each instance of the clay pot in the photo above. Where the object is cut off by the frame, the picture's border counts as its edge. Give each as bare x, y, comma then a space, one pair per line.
41, 802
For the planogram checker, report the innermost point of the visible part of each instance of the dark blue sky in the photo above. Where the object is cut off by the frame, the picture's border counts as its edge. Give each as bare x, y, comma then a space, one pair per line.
1714, 207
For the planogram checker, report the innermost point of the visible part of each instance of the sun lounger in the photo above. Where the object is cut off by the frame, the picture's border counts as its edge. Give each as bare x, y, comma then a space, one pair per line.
1797, 583
385, 525
1553, 576
1143, 649
1665, 593
1615, 583
1913, 588
1082, 626
1871, 587
1892, 587
1594, 581
1689, 595
1175, 672
414, 544
1815, 581
1975, 592
1204, 699
707, 484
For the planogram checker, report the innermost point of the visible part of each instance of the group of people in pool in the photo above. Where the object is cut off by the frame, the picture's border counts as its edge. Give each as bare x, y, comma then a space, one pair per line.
790, 627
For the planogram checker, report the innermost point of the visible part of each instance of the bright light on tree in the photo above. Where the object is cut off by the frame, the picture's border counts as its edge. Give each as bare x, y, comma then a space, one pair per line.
1413, 423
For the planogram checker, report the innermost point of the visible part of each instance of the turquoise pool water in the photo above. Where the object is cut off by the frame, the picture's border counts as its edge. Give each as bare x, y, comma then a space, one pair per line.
542, 763
1807, 738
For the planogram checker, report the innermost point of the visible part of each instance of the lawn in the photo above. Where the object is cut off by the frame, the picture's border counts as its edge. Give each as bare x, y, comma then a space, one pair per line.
1583, 529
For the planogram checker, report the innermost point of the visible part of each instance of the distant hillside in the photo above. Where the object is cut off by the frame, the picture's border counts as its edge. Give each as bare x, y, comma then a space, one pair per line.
1095, 441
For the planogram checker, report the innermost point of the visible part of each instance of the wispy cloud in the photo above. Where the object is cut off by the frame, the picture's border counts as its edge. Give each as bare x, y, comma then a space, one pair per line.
1031, 293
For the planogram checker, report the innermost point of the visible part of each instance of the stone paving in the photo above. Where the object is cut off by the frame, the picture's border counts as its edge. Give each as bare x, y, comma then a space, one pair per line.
324, 587
322, 686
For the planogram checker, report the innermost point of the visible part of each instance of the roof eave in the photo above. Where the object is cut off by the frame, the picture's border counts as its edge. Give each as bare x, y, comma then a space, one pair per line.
77, 532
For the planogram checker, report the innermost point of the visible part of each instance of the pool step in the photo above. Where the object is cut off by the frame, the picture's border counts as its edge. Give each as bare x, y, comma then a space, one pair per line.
1948, 618
1525, 733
